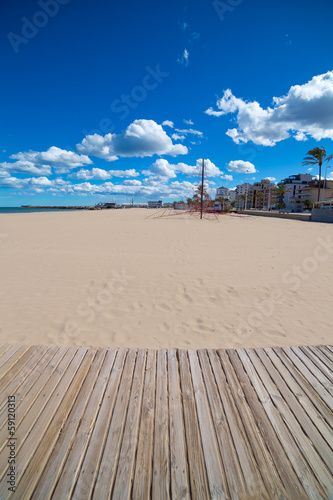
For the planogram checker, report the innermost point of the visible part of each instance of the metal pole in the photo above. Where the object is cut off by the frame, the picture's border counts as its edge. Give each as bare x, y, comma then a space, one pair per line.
202, 185
323, 195
247, 187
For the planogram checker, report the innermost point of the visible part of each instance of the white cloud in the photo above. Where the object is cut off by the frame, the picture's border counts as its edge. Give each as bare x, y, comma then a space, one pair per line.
132, 182
40, 181
241, 167
330, 176
60, 159
272, 179
184, 58
188, 122
211, 112
227, 177
188, 131
163, 168
304, 111
25, 167
141, 138
98, 173
177, 137
168, 123
33, 182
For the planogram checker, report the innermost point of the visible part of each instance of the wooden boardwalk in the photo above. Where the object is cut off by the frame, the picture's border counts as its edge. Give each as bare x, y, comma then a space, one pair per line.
121, 424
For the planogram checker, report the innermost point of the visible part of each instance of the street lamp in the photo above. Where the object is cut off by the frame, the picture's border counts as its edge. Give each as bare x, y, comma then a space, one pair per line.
247, 187
327, 166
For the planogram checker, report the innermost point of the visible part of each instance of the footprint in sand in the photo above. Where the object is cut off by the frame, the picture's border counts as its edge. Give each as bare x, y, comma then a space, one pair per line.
163, 307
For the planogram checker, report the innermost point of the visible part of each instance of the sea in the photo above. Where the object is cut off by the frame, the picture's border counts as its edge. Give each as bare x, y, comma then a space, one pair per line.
26, 210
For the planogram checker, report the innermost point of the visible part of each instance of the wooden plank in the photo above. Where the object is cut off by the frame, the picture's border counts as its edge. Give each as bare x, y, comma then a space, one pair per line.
289, 486
320, 361
161, 464
219, 407
34, 383
4, 348
42, 439
108, 466
306, 387
90, 465
303, 417
30, 433
312, 380
18, 365
222, 424
11, 357
12, 349
59, 475
317, 372
144, 458
35, 399
267, 479
235, 424
178, 451
216, 480
24, 373
325, 350
299, 463
196, 463
302, 440
126, 462
301, 397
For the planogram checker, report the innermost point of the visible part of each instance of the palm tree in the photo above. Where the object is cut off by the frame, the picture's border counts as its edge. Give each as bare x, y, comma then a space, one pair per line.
244, 196
205, 195
259, 195
317, 156
221, 199
281, 190
308, 205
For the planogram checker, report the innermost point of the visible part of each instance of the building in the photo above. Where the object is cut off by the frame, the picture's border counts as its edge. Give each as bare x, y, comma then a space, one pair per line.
228, 195
154, 204
294, 185
244, 195
106, 205
310, 192
265, 195
232, 195
222, 192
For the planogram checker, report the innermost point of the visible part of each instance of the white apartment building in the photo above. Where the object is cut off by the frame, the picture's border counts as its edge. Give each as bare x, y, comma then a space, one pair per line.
244, 189
222, 192
232, 195
295, 185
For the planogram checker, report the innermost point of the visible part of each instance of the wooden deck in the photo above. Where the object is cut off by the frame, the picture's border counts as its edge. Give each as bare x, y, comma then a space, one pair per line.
120, 424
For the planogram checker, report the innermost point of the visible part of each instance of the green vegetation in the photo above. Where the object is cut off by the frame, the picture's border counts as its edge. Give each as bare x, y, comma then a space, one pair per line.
317, 156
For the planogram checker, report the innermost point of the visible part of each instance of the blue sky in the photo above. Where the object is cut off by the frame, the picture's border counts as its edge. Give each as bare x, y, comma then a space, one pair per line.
114, 100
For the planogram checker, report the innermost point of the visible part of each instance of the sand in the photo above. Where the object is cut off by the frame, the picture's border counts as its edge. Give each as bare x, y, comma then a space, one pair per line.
119, 278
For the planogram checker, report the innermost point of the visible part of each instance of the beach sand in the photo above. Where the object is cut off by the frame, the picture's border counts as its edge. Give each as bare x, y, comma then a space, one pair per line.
122, 278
